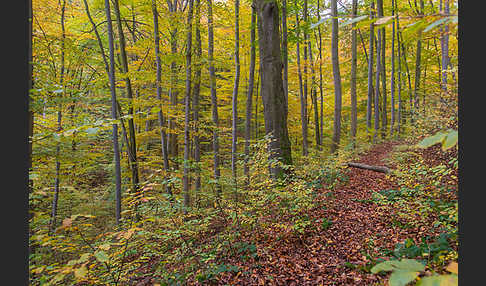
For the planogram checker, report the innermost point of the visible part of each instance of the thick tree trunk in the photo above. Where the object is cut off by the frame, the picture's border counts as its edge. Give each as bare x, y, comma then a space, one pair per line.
273, 96
114, 113
214, 99
187, 100
249, 95
337, 78
285, 52
158, 76
354, 111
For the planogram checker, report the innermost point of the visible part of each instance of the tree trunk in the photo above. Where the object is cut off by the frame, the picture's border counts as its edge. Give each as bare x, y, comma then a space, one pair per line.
354, 112
185, 178
370, 70
214, 99
114, 114
444, 43
399, 79
160, 116
392, 76
195, 104
285, 53
314, 97
337, 78
55, 199
273, 96
235, 95
377, 75
132, 146
320, 74
303, 116
172, 147
249, 95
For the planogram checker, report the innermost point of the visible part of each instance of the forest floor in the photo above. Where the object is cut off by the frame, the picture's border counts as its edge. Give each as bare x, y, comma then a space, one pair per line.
348, 234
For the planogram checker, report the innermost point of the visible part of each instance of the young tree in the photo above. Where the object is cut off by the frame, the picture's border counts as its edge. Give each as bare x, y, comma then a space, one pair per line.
214, 99
354, 111
337, 78
249, 95
114, 113
235, 92
303, 104
274, 111
187, 100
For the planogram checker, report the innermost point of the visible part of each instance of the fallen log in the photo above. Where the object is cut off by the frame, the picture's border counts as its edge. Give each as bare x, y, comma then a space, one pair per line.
380, 169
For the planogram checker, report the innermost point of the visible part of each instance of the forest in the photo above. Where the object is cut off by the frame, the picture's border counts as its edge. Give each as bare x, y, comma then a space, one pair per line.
252, 142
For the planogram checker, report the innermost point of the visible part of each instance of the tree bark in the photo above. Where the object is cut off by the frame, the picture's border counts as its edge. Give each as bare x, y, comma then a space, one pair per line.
370, 70
235, 95
444, 44
354, 112
274, 111
379, 169
195, 105
114, 113
158, 76
249, 95
214, 99
303, 116
185, 178
285, 52
392, 76
337, 78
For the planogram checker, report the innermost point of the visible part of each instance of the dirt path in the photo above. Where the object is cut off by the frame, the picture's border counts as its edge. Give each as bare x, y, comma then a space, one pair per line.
358, 227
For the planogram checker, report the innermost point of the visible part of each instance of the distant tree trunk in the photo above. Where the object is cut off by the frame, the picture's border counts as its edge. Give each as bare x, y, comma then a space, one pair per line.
337, 78
320, 73
195, 104
185, 178
158, 76
55, 199
30, 86
303, 116
172, 136
417, 65
306, 64
370, 70
383, 79
114, 113
354, 112
378, 72
273, 95
258, 86
399, 79
444, 43
249, 95
235, 94
392, 76
285, 52
214, 99
314, 97
132, 146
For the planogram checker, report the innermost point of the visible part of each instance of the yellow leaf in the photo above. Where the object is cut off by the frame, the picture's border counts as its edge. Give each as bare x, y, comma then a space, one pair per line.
453, 268
80, 272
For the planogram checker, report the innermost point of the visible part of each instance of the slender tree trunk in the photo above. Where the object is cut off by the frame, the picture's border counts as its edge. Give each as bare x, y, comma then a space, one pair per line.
377, 76
399, 79
132, 146
383, 77
55, 199
337, 78
392, 76
114, 113
370, 70
195, 105
303, 116
185, 178
285, 53
259, 87
306, 64
214, 99
273, 95
418, 67
320, 73
249, 95
314, 97
30, 86
354, 111
444, 44
158, 76
235, 94
172, 136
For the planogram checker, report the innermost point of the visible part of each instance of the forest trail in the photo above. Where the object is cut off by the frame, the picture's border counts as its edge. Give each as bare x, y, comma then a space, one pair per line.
333, 255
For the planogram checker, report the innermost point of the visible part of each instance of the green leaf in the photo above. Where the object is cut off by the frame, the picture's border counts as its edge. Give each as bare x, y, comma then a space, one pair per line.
450, 141
354, 20
383, 266
101, 256
439, 280
431, 140
410, 265
402, 277
80, 272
